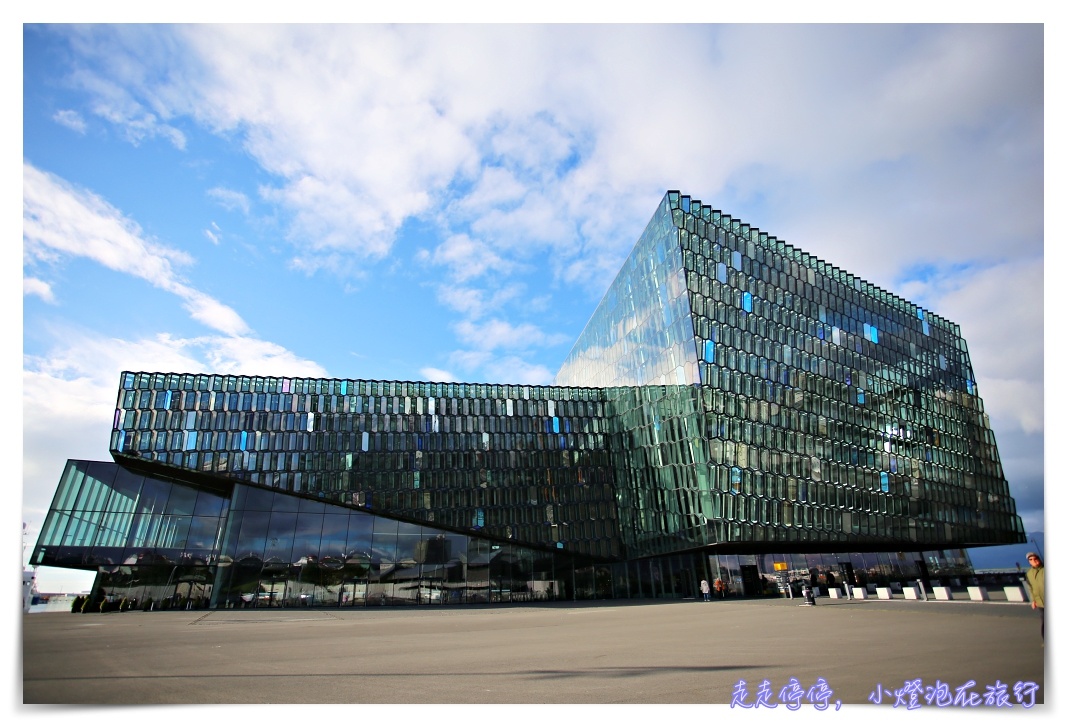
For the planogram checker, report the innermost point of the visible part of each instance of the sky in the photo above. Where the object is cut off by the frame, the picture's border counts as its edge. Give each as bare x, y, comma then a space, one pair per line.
450, 202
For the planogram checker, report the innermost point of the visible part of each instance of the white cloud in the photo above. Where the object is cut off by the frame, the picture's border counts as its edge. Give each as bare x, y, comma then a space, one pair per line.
469, 361
211, 235
434, 374
210, 312
139, 125
116, 102
1014, 402
514, 370
484, 366
556, 141
356, 134
538, 220
495, 186
367, 126
70, 119
332, 217
230, 199
533, 147
60, 220
476, 302
468, 301
37, 287
253, 357
498, 334
578, 130
467, 258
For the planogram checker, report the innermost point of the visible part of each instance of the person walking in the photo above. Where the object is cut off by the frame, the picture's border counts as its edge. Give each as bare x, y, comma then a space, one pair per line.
706, 591
1036, 580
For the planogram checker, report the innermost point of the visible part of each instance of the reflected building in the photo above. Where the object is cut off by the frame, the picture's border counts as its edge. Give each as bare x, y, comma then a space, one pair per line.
733, 403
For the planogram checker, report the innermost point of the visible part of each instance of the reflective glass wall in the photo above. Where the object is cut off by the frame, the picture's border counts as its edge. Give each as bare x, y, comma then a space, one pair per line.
104, 514
150, 539
661, 463
842, 412
280, 550
642, 331
829, 411
620, 472
731, 393
164, 544
524, 464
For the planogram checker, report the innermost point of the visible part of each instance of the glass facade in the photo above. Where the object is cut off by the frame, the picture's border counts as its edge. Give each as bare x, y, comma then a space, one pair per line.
785, 400
524, 464
731, 397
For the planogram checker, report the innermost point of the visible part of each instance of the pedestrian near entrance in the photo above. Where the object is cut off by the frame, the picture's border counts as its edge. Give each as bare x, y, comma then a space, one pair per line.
705, 590
720, 588
1036, 579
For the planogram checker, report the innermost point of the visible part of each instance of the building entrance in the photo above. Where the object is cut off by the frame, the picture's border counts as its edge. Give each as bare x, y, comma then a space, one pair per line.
752, 584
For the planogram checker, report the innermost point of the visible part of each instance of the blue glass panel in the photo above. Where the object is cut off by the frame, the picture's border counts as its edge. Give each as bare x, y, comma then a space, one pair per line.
210, 504
257, 499
307, 537
279, 543
359, 534
203, 533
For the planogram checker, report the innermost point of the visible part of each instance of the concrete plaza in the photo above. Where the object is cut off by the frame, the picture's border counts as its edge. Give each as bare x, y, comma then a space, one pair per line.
684, 652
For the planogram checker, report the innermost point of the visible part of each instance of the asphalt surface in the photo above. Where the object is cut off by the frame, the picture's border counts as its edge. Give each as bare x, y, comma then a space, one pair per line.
610, 652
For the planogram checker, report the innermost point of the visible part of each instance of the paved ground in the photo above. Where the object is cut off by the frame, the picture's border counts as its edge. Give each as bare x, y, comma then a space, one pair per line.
583, 652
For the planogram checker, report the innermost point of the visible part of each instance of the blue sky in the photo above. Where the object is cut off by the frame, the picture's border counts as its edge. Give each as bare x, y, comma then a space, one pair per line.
450, 202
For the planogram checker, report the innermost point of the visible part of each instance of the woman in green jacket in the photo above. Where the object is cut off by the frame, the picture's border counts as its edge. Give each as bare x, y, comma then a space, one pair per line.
1036, 580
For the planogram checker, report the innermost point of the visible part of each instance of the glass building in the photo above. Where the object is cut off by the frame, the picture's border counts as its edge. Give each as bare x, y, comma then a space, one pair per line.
735, 409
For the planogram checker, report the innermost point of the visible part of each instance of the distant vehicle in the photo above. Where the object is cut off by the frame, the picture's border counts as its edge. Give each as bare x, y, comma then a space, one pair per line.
430, 595
260, 597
